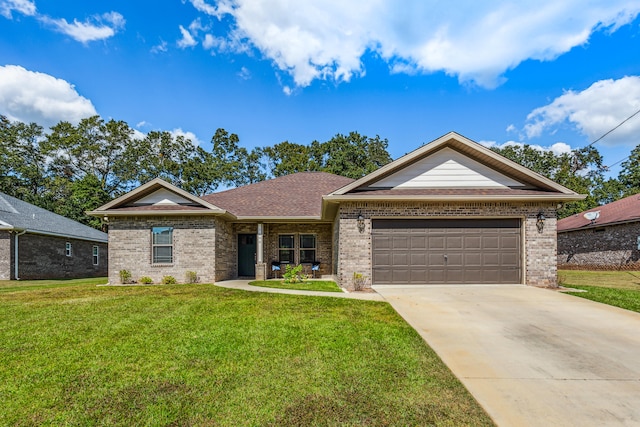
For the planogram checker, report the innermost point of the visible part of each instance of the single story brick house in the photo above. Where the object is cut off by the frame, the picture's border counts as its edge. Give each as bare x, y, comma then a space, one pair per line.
607, 237
38, 244
451, 211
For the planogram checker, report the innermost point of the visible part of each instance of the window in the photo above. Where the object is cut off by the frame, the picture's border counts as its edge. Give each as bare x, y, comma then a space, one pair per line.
286, 249
162, 245
95, 255
307, 248
67, 249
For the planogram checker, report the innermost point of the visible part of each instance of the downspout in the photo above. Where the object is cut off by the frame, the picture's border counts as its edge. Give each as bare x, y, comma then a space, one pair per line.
16, 253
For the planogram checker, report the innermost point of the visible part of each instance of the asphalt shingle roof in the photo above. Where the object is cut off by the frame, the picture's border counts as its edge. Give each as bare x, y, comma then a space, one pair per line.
623, 210
19, 215
296, 195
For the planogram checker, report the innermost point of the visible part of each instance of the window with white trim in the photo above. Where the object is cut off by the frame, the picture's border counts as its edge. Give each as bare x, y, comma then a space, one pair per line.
286, 248
307, 248
162, 245
96, 255
68, 249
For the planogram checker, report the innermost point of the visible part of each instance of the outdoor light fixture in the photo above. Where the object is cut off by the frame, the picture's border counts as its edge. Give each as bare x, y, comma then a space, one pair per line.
360, 223
540, 222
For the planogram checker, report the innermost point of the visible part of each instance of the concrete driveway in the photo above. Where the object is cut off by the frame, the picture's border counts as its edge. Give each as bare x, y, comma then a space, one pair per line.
532, 357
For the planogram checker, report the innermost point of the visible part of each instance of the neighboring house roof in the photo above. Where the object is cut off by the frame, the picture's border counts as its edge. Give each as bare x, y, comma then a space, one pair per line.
157, 196
18, 215
453, 167
620, 211
298, 195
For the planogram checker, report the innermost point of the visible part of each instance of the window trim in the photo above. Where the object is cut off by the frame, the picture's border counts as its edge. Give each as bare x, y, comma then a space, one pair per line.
297, 248
155, 245
68, 249
292, 248
95, 253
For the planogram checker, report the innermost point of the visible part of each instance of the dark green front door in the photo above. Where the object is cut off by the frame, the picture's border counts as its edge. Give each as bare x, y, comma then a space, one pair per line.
247, 255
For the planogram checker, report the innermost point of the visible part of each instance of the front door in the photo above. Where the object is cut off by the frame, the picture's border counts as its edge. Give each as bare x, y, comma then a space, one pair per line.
246, 255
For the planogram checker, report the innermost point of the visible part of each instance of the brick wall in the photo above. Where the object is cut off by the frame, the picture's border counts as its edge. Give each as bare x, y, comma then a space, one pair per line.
324, 244
194, 247
44, 257
6, 253
354, 248
225, 257
608, 247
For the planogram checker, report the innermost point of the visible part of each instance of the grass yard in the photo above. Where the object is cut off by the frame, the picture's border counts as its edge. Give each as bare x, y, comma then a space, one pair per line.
310, 285
617, 288
201, 355
28, 285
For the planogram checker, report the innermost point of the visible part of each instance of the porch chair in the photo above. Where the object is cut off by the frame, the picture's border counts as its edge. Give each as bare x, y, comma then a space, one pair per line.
275, 267
315, 267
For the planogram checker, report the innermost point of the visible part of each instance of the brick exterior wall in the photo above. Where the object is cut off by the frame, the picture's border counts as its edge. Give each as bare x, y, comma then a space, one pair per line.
324, 245
354, 248
44, 257
6, 255
225, 257
194, 247
609, 247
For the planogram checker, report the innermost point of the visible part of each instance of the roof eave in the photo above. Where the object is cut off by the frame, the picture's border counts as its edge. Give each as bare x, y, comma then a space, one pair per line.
108, 213
458, 198
278, 218
598, 225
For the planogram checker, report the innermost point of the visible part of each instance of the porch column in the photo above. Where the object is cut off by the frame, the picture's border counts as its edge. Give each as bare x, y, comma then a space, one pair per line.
261, 268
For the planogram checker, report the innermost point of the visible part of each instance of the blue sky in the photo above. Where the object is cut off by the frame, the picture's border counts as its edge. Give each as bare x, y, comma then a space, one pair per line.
548, 73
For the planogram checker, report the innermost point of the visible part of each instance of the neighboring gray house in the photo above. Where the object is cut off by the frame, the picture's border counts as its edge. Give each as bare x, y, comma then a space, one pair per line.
38, 244
450, 212
606, 237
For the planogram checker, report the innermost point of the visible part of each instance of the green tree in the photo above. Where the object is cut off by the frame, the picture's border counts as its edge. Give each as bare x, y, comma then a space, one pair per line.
581, 170
629, 175
287, 157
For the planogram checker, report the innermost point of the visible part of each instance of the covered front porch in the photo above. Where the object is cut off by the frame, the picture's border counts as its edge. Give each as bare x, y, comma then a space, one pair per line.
263, 250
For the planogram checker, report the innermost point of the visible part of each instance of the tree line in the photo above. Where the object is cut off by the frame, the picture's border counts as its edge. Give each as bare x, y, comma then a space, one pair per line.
71, 169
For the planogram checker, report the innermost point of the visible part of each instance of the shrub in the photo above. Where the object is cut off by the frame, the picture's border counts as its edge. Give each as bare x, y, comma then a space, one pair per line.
359, 281
145, 280
294, 274
169, 280
191, 277
125, 277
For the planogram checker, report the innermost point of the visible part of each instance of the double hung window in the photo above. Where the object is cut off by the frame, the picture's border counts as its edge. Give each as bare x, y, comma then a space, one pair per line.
95, 255
291, 253
162, 245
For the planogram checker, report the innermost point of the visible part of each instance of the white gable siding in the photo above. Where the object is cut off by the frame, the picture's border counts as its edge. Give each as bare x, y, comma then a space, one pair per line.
162, 197
447, 169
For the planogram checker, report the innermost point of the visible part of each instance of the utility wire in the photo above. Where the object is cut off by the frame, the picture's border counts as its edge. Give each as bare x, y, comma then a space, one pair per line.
611, 130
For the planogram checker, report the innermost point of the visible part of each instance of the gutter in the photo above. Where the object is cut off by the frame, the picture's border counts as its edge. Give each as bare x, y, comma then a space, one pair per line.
16, 263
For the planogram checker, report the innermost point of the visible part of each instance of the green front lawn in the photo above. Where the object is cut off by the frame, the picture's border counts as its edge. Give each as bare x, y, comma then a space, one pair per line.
29, 285
310, 285
617, 288
202, 355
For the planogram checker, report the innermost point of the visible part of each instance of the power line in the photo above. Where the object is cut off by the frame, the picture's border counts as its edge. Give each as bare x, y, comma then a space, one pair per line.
611, 130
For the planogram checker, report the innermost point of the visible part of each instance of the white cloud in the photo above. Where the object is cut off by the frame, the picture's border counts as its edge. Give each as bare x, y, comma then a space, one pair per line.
187, 39
326, 39
593, 111
25, 7
95, 28
187, 135
558, 148
244, 73
162, 47
30, 96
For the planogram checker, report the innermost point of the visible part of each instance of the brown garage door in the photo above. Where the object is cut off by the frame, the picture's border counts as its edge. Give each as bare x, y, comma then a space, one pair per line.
436, 251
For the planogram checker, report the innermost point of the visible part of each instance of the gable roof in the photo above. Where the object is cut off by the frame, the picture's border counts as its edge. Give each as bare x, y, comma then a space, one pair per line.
18, 215
512, 181
290, 197
620, 211
154, 198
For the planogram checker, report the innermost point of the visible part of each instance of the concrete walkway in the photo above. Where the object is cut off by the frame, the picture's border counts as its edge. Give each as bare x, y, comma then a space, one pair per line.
244, 285
532, 357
